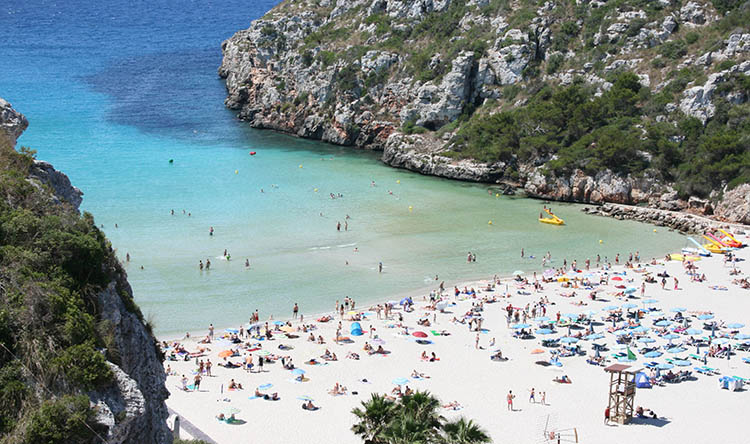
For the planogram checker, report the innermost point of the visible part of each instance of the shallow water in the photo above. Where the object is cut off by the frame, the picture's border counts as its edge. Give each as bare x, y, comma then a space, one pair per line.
113, 92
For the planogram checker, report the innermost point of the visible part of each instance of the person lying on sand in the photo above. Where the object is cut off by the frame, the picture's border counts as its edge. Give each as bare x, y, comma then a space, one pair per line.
338, 390
454, 405
309, 406
352, 355
416, 374
235, 385
563, 380
272, 397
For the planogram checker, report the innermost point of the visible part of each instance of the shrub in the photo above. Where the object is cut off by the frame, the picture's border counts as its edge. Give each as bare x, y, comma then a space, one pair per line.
83, 366
326, 58
692, 37
410, 127
674, 49
68, 419
554, 62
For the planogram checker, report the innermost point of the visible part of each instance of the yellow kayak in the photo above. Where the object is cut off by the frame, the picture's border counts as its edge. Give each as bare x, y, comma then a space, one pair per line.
553, 221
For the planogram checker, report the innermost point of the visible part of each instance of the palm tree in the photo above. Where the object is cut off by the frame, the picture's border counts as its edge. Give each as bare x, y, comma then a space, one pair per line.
462, 431
423, 407
374, 416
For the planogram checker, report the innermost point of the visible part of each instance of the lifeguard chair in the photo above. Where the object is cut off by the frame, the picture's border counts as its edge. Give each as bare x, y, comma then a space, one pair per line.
621, 392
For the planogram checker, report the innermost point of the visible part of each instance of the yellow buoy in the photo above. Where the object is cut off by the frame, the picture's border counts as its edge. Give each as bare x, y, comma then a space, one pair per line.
600, 241
410, 208
300, 166
236, 171
497, 195
654, 230
398, 181
489, 222
316, 190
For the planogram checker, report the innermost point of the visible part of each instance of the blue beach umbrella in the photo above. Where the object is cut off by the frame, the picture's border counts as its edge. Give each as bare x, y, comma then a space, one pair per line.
571, 315
656, 314
665, 366
629, 305
298, 371
646, 340
279, 323
520, 326
651, 301
231, 330
641, 329
541, 319
304, 398
630, 290
265, 386
705, 317
720, 341
544, 331
735, 325
653, 354
663, 323
681, 363
678, 309
670, 336
694, 331
610, 308
675, 350
742, 336
569, 340
621, 333
400, 381
594, 336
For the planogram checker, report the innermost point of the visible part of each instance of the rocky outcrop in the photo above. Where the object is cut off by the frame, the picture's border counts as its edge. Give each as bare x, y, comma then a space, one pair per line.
686, 223
12, 123
43, 173
698, 100
132, 408
735, 205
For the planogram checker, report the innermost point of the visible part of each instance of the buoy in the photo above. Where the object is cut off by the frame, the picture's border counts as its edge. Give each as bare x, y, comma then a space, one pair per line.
316, 190
654, 230
600, 241
252, 153
236, 171
398, 181
300, 166
497, 195
489, 222
171, 160
410, 208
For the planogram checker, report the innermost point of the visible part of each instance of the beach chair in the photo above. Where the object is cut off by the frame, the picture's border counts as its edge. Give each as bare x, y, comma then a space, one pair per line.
710, 371
746, 360
696, 357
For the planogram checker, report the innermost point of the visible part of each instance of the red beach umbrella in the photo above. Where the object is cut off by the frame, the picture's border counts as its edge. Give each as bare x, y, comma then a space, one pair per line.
419, 334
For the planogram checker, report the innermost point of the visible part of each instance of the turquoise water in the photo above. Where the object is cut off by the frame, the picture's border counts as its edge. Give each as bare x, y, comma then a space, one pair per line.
114, 92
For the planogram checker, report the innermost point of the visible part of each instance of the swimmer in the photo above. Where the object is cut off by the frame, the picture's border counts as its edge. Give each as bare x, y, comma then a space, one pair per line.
356, 249
225, 252
127, 257
247, 263
200, 265
211, 231
172, 212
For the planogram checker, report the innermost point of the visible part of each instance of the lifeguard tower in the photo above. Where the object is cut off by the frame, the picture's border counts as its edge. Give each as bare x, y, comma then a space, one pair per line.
621, 392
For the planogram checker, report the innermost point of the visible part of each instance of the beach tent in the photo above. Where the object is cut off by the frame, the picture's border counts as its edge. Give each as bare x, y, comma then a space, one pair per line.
641, 380
356, 329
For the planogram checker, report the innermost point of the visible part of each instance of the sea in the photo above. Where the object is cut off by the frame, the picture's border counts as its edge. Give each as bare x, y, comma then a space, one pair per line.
124, 97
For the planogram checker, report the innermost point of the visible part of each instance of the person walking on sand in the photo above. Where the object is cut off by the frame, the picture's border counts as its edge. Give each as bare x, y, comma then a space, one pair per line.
544, 398
211, 331
197, 382
531, 396
476, 342
510, 400
295, 310
606, 415
675, 283
208, 367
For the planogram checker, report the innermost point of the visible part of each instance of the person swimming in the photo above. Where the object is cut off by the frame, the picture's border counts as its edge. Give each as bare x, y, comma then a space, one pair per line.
247, 263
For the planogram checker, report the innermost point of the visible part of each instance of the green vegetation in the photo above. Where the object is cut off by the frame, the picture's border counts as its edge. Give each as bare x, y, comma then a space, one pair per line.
595, 133
412, 419
53, 346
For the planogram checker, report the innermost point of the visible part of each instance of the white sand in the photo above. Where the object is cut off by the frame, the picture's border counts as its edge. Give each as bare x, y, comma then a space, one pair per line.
693, 411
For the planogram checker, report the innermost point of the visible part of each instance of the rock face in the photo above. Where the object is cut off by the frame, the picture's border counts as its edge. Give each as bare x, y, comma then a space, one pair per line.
12, 123
132, 407
735, 206
686, 223
365, 73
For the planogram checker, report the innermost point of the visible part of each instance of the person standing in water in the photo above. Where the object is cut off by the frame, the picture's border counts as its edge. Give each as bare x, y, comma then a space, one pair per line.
295, 310
200, 265
247, 263
208, 263
211, 231
338, 226
380, 267
127, 257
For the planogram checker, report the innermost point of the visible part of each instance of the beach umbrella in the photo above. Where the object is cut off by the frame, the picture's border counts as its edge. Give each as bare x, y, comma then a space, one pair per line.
563, 279
378, 341
630, 290
735, 325
264, 353
610, 308
651, 301
400, 381
298, 371
548, 272
419, 334
231, 330
657, 313
541, 319
621, 333
442, 305
641, 329
225, 353
265, 386
663, 323
571, 315
681, 363
646, 340
279, 323
304, 398
544, 331
629, 305
569, 340
678, 309
617, 278
665, 366
590, 312
675, 350
537, 351
520, 326
517, 273
653, 354
694, 331
287, 329
720, 341
670, 336
705, 317
742, 336
594, 336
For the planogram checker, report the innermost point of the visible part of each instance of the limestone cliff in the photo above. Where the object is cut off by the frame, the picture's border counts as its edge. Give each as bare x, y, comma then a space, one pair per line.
104, 352
409, 76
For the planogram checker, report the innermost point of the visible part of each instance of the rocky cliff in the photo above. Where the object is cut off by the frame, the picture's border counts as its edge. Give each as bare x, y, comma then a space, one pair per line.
104, 352
410, 77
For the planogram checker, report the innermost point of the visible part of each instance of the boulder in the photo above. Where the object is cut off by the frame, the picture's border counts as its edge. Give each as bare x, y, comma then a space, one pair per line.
735, 205
12, 123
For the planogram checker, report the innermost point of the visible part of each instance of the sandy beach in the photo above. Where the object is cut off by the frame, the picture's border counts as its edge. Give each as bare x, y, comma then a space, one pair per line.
695, 410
